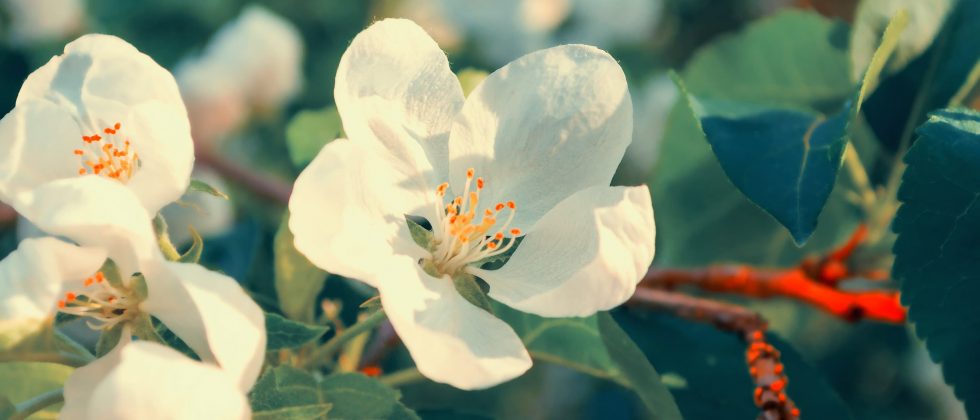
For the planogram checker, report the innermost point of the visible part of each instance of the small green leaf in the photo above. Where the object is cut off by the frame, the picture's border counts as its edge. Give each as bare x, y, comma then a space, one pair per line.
193, 254
200, 186
309, 131
937, 253
472, 291
871, 18
283, 333
421, 235
108, 339
25, 380
163, 238
357, 396
297, 280
288, 393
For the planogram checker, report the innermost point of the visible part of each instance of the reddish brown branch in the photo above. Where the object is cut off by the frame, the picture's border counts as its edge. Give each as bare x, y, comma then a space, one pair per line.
7, 215
259, 184
761, 357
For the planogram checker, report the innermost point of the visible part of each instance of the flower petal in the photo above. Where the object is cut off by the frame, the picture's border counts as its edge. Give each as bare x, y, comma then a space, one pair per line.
394, 88
450, 340
543, 127
585, 255
348, 209
33, 277
162, 137
178, 387
97, 68
92, 211
211, 313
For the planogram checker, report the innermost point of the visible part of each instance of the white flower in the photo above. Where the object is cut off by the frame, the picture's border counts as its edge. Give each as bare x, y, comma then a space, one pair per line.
102, 108
254, 62
530, 152
208, 215
208, 310
144, 380
44, 20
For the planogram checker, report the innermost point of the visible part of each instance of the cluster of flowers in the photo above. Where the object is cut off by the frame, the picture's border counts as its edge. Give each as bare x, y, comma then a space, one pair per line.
518, 172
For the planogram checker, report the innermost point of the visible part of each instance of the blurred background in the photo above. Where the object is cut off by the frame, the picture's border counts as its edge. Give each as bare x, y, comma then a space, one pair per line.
258, 74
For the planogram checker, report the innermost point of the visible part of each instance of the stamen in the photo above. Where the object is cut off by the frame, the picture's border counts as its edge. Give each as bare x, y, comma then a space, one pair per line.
108, 158
105, 304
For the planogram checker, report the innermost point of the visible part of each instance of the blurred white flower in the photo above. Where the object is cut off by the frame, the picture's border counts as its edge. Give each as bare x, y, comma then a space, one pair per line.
254, 62
146, 380
102, 108
505, 29
34, 21
208, 310
656, 99
533, 147
207, 214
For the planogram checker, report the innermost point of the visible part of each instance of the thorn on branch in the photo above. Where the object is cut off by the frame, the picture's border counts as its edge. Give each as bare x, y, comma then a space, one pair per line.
762, 359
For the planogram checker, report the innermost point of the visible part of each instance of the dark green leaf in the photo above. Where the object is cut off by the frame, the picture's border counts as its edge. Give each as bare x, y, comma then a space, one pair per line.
636, 369
937, 253
287, 393
421, 235
283, 333
297, 280
201, 186
309, 131
355, 396
471, 290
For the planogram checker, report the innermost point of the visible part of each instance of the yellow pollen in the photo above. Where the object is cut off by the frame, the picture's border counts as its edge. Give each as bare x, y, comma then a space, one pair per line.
111, 156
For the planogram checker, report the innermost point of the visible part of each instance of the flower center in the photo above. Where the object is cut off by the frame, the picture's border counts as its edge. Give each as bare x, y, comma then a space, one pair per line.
464, 234
111, 156
101, 302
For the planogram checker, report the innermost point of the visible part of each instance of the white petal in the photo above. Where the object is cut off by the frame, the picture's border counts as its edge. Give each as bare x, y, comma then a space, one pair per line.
543, 127
92, 211
33, 277
211, 313
101, 68
394, 88
82, 383
37, 140
149, 381
585, 255
450, 340
162, 137
348, 209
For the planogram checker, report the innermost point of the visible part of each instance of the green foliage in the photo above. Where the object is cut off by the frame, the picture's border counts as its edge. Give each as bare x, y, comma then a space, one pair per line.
596, 346
793, 61
283, 333
937, 253
23, 381
193, 254
421, 235
309, 131
297, 280
355, 396
471, 289
285, 392
783, 159
108, 339
201, 186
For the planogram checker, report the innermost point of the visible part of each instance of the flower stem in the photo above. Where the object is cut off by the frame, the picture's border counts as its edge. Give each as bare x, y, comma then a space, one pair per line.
402, 377
38, 403
59, 358
318, 357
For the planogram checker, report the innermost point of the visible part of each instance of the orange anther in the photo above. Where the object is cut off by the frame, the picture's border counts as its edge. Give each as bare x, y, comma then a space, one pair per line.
795, 412
479, 183
777, 385
89, 281
778, 369
499, 236
511, 205
757, 336
492, 245
469, 173
96, 137
99, 277
61, 304
117, 126
70, 296
371, 370
499, 207
79, 152
515, 232
82, 171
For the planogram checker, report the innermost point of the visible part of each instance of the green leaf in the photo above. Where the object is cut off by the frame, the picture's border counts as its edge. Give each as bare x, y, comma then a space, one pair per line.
784, 159
937, 253
309, 131
593, 345
193, 254
355, 396
636, 369
871, 18
163, 238
931, 80
23, 381
200, 186
108, 339
285, 392
472, 290
421, 235
283, 333
297, 280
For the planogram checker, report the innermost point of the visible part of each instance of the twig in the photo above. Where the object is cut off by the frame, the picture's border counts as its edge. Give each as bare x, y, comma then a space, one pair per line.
59, 358
402, 377
319, 356
38, 403
7, 215
259, 184
761, 357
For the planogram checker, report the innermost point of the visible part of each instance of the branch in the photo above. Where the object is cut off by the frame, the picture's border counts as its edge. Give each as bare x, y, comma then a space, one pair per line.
38, 403
257, 183
761, 357
7, 215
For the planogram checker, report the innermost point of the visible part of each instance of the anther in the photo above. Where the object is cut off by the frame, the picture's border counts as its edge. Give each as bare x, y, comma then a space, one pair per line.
515, 232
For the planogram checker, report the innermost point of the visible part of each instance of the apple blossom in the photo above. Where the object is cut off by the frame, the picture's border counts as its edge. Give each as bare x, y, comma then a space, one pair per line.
208, 310
101, 108
116, 386
529, 154
44, 20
